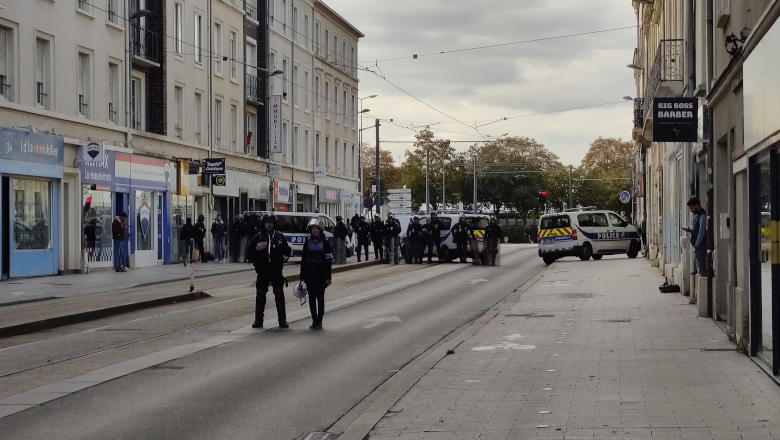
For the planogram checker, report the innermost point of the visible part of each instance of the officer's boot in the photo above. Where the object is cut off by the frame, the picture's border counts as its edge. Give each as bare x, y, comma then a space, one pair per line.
259, 308
280, 309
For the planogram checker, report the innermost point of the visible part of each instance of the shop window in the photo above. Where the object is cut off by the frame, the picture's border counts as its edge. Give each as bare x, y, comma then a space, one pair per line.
96, 224
144, 213
764, 202
32, 214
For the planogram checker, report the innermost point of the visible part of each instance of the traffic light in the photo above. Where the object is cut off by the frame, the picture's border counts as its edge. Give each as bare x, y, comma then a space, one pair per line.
87, 204
542, 197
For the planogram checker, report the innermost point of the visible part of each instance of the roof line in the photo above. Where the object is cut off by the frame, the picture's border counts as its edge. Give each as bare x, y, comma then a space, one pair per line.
339, 17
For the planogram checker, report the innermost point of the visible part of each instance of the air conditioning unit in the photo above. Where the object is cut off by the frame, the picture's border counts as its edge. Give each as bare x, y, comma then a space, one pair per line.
724, 15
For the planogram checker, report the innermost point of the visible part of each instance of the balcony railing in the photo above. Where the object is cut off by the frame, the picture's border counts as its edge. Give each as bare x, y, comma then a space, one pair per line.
144, 43
254, 87
639, 113
668, 66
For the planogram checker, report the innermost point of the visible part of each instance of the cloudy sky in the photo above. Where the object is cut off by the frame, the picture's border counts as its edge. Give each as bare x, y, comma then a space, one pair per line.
489, 84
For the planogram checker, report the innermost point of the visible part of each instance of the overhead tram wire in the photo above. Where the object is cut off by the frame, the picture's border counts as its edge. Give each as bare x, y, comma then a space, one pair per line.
552, 111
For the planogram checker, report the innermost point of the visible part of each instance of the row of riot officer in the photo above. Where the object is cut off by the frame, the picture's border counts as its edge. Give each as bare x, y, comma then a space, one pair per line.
421, 237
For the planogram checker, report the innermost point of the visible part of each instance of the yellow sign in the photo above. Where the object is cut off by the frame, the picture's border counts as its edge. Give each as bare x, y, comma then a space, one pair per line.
183, 188
219, 180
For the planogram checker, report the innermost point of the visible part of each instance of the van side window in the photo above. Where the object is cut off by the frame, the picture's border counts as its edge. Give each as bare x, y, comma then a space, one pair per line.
327, 225
283, 224
584, 220
599, 220
616, 220
300, 225
446, 223
563, 221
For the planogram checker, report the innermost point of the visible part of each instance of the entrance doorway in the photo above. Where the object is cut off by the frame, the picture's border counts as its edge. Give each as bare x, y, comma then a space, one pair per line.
6, 197
145, 229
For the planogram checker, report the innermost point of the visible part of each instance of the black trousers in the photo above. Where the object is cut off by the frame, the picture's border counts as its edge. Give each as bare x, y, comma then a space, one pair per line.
362, 244
316, 303
462, 247
272, 276
437, 244
378, 254
199, 247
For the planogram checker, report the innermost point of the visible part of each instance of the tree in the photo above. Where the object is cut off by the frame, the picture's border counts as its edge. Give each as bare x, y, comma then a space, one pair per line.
388, 171
414, 167
609, 159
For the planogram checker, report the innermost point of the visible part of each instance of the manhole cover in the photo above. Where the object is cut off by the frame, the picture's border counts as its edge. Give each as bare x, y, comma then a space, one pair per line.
576, 295
165, 367
619, 320
321, 436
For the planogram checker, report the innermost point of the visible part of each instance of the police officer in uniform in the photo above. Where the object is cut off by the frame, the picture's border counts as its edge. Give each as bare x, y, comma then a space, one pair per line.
269, 249
461, 232
340, 232
353, 223
492, 238
413, 236
392, 230
377, 235
316, 267
434, 231
363, 232
200, 235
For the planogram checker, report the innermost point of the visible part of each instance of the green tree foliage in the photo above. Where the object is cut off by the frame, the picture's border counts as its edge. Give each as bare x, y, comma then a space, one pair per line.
608, 158
391, 174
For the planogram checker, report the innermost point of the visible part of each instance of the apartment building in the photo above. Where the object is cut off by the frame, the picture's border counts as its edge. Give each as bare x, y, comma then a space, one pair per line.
316, 51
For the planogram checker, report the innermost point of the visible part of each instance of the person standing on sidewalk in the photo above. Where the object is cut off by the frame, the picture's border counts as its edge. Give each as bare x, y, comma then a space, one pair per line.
434, 231
413, 234
377, 236
492, 239
363, 232
698, 231
119, 233
218, 232
316, 266
354, 222
200, 236
187, 240
269, 249
461, 233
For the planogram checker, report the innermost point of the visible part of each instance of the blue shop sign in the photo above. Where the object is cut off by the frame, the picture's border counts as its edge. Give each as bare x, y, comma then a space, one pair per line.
31, 154
102, 173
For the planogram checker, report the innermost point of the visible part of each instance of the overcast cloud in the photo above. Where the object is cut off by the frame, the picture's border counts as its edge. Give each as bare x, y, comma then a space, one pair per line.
490, 84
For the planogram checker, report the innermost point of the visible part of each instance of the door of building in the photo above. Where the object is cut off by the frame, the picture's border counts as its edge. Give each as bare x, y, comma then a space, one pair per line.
145, 228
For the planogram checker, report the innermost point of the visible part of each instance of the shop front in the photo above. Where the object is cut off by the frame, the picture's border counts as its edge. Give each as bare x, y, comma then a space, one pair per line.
242, 192
305, 197
329, 201
349, 199
31, 168
283, 196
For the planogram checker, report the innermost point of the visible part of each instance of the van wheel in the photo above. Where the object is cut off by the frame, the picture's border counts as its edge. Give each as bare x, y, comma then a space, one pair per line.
633, 249
548, 260
445, 255
598, 257
586, 252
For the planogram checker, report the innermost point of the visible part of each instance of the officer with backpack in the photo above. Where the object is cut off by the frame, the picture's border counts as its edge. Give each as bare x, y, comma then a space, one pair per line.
413, 236
269, 250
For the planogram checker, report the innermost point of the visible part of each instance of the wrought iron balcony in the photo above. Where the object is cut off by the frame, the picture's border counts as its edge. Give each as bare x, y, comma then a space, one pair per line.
639, 113
667, 67
254, 87
144, 46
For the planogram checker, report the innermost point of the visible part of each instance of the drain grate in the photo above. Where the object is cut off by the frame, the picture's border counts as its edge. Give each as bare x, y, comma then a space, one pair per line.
321, 436
165, 367
619, 320
575, 295
717, 349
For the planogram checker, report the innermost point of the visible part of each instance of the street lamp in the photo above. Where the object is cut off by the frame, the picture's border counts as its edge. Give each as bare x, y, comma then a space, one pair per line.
360, 141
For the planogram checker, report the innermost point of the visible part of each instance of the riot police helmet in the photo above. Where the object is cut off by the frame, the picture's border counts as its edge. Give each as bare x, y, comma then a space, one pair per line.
493, 219
416, 219
314, 223
201, 218
269, 218
434, 214
339, 218
362, 217
390, 215
377, 217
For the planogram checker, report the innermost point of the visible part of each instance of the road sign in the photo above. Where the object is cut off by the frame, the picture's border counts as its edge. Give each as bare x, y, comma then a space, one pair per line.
220, 180
400, 191
399, 197
400, 205
625, 197
214, 166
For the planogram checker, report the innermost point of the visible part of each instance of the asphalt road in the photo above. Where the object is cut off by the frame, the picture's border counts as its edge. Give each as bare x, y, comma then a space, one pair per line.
279, 384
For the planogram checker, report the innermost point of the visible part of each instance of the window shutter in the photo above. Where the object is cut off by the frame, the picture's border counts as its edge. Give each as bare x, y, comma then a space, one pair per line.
111, 74
39, 60
3, 54
177, 106
81, 73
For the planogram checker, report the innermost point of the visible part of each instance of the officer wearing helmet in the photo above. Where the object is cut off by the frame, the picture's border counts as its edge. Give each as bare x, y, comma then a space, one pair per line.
461, 232
237, 232
200, 234
341, 230
434, 236
392, 230
377, 236
492, 239
316, 266
340, 233
363, 231
413, 236
269, 249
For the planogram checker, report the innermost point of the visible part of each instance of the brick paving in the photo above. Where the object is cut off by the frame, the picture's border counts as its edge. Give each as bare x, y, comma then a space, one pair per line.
588, 372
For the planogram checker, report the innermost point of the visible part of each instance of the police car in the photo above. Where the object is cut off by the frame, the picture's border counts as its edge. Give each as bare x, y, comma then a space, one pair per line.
586, 233
294, 226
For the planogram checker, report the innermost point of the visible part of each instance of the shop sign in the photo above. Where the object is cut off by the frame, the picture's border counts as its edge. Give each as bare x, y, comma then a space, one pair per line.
282, 192
305, 188
275, 114
329, 195
214, 166
675, 119
183, 188
276, 170
31, 154
319, 173
347, 197
220, 180
92, 151
100, 173
142, 172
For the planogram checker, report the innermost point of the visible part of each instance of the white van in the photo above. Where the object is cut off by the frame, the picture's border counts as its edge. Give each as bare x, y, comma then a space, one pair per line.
586, 233
294, 226
478, 222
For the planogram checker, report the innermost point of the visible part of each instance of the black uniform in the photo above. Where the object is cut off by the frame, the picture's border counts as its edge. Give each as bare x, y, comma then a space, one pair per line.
434, 238
200, 234
353, 223
363, 231
392, 230
377, 235
461, 232
268, 265
413, 237
187, 238
492, 238
341, 230
238, 232
316, 265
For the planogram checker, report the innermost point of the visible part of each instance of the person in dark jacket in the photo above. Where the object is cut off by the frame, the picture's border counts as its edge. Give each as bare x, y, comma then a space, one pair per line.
434, 236
377, 236
119, 234
316, 266
363, 232
492, 239
187, 240
341, 230
200, 235
413, 237
218, 232
238, 232
90, 236
354, 222
392, 230
269, 249
461, 232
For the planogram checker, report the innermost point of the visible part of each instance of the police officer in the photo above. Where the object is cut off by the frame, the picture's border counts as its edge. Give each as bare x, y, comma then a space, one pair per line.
434, 231
237, 232
377, 235
354, 222
492, 238
461, 232
392, 230
200, 234
363, 231
413, 236
316, 266
269, 248
340, 233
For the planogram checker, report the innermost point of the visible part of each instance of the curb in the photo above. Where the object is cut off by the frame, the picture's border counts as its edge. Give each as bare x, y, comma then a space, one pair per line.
91, 315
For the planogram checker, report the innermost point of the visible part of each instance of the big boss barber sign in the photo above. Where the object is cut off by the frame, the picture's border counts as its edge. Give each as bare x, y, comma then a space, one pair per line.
675, 119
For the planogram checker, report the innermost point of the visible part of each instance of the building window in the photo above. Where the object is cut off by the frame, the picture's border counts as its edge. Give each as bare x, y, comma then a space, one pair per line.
306, 90
233, 56
335, 48
353, 62
5, 70
84, 5
344, 117
296, 146
218, 123
317, 150
317, 94
198, 38
272, 67
306, 148
285, 147
284, 78
83, 85
218, 48
178, 27
336, 104
317, 37
296, 85
114, 13
250, 128
284, 16
178, 110
336, 154
306, 31
344, 159
295, 24
233, 128
113, 80
353, 161
353, 112
32, 214
249, 61
198, 118
327, 154
327, 44
136, 103
41, 72
327, 100
343, 60
251, 9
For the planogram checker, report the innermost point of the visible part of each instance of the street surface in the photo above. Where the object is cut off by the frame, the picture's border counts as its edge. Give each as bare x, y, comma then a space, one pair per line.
275, 384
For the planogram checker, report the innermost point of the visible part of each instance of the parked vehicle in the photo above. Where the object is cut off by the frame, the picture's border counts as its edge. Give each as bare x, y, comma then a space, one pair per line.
294, 227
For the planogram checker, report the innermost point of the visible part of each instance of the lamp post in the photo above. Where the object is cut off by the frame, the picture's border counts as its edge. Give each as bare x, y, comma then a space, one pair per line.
360, 141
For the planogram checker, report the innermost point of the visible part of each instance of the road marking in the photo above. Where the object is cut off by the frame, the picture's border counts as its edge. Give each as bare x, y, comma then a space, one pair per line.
478, 280
379, 321
515, 336
505, 346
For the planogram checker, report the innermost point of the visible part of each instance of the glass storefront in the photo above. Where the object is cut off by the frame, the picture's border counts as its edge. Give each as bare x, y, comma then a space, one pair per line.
32, 214
764, 205
182, 208
96, 224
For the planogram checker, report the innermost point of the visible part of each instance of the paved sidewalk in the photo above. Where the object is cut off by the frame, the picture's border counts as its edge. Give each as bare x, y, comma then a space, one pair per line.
591, 350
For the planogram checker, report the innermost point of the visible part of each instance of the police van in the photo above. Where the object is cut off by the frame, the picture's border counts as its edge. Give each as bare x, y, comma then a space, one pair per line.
586, 233
294, 226
449, 250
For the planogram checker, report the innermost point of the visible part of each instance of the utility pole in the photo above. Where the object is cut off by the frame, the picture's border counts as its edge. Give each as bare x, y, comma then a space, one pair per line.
571, 204
378, 195
443, 199
427, 189
475, 184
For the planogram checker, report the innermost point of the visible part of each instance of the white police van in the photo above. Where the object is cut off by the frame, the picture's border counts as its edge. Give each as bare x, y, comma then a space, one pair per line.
478, 223
294, 226
586, 233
